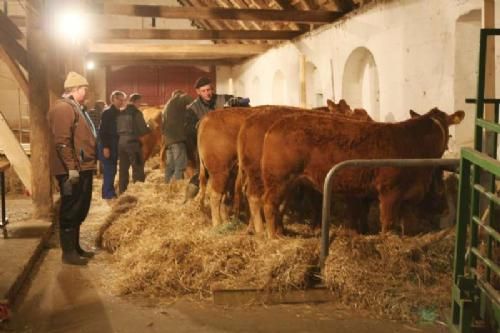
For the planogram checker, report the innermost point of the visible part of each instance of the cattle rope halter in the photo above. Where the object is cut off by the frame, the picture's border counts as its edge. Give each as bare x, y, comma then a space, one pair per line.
441, 127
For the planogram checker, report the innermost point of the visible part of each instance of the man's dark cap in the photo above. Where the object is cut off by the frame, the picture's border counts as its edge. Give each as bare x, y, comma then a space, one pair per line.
202, 81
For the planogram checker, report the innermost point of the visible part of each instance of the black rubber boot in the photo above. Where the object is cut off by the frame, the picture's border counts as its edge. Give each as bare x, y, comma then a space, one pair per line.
82, 252
69, 254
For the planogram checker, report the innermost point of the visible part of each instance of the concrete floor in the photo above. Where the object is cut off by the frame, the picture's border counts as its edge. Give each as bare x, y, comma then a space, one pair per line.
63, 298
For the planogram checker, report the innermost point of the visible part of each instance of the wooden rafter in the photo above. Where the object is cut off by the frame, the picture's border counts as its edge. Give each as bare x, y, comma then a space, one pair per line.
285, 4
15, 50
120, 61
8, 27
16, 71
197, 34
301, 16
176, 52
345, 5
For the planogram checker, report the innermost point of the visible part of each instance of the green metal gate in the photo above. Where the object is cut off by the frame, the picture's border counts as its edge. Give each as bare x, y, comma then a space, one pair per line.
476, 275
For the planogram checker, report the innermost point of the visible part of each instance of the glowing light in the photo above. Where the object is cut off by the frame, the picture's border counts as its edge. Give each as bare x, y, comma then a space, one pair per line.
72, 25
90, 65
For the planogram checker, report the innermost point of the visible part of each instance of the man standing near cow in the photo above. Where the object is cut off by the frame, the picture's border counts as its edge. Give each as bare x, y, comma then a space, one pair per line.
73, 162
174, 118
108, 144
131, 126
206, 101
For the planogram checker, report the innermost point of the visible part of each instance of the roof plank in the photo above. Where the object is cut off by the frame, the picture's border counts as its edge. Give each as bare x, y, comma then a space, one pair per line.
212, 13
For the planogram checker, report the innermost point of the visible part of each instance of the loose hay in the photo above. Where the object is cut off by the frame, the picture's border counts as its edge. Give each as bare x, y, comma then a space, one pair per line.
391, 275
166, 249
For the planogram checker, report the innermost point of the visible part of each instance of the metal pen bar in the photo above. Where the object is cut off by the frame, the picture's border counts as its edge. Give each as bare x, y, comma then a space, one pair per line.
482, 160
491, 196
487, 262
485, 100
488, 125
491, 232
327, 188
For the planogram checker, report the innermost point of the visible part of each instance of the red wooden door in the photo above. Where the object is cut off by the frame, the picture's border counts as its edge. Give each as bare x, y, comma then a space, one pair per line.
155, 83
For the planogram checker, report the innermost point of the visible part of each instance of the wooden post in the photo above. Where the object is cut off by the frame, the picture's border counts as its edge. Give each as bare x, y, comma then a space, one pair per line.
302, 79
39, 105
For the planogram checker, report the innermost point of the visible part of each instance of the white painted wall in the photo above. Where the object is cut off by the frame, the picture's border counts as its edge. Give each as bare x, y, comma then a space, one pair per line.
412, 47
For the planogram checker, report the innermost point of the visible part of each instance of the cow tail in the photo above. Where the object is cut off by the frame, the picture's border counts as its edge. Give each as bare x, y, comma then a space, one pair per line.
203, 182
238, 191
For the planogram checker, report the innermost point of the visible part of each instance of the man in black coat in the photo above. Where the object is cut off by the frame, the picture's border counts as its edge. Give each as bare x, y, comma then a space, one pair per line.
108, 143
174, 118
130, 125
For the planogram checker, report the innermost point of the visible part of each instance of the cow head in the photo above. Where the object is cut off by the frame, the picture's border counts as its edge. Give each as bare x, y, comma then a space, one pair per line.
361, 114
443, 120
447, 119
426, 214
342, 107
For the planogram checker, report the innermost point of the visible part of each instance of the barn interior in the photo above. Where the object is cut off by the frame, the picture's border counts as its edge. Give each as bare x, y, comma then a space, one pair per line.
160, 263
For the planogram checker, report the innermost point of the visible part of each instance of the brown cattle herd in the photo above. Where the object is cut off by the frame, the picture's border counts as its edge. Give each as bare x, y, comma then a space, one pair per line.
257, 156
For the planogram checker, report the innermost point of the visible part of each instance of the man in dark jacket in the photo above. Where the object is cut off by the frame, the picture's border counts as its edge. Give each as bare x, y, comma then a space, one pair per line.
73, 162
174, 118
206, 102
108, 143
131, 126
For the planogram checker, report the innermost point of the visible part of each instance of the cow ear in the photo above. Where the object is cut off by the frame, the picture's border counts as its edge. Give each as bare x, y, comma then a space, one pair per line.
413, 114
343, 104
456, 118
331, 105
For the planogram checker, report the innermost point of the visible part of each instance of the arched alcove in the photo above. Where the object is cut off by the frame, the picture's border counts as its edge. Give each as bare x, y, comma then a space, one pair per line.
360, 84
314, 94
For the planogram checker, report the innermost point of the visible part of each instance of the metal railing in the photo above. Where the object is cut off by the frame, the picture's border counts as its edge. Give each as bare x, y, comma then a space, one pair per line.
328, 184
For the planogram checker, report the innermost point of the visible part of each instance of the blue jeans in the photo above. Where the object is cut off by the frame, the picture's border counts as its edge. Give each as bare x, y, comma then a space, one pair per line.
109, 166
176, 159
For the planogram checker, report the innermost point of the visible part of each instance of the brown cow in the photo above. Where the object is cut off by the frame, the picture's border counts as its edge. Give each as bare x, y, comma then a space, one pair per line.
217, 138
306, 146
151, 142
250, 142
217, 134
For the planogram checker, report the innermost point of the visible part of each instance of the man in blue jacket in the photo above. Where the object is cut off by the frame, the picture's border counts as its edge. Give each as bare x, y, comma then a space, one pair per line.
108, 143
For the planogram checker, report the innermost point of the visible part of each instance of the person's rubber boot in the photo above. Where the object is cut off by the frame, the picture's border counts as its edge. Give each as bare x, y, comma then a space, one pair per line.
69, 254
191, 192
82, 252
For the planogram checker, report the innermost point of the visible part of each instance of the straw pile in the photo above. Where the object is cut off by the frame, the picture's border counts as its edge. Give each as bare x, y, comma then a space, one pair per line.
166, 249
393, 276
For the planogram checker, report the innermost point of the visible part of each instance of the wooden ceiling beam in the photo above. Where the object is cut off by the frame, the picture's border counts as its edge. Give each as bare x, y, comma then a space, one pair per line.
285, 4
345, 5
8, 27
167, 34
175, 52
247, 14
15, 50
119, 61
16, 71
18, 20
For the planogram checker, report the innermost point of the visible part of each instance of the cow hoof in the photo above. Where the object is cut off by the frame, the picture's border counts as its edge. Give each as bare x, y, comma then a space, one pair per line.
248, 231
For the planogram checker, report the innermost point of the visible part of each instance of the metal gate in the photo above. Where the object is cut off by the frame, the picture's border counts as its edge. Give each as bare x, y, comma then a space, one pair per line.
476, 274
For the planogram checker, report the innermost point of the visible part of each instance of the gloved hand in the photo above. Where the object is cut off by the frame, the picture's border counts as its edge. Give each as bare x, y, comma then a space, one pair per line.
73, 176
106, 152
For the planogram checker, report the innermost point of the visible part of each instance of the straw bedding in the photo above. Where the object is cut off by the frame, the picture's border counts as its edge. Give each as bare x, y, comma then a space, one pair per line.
164, 248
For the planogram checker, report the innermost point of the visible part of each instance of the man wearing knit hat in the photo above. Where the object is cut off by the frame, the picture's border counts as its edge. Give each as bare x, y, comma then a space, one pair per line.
207, 101
73, 161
